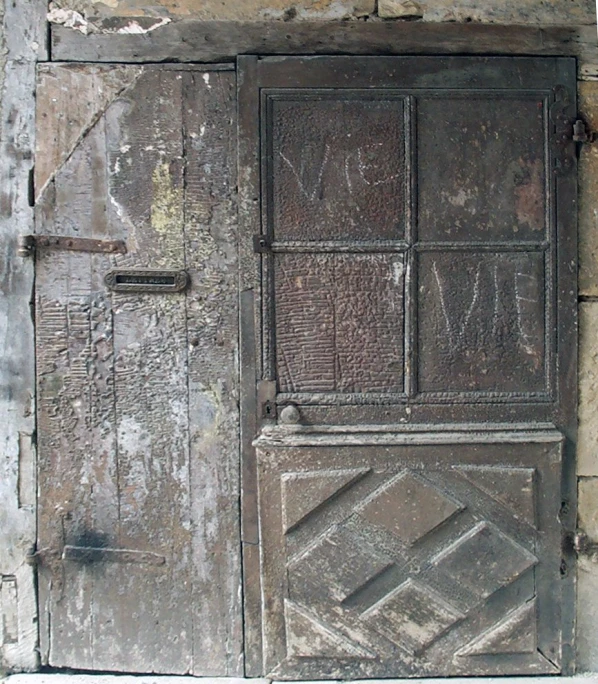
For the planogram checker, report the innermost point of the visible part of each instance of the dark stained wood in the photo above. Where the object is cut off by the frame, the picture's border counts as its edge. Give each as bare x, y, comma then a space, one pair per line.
479, 255
195, 41
249, 360
137, 411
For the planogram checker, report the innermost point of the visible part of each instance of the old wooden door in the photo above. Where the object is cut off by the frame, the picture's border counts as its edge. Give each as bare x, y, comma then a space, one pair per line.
138, 542
414, 365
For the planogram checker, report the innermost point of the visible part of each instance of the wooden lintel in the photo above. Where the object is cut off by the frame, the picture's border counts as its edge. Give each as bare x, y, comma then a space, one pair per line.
213, 41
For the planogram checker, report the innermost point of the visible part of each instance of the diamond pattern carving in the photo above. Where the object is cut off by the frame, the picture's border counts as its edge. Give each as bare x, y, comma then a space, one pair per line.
484, 560
412, 616
366, 597
307, 637
337, 565
408, 507
515, 633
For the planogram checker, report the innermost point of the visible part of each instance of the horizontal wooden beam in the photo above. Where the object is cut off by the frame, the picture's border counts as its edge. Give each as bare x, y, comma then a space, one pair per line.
213, 41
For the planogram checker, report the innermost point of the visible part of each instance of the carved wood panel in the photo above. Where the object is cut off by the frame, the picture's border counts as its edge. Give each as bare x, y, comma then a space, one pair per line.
435, 560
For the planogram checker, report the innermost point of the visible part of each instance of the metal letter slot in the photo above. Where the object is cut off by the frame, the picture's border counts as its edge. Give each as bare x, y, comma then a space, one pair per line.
146, 280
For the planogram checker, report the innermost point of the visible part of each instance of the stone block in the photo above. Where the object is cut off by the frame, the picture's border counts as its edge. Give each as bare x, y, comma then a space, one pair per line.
587, 445
587, 616
399, 9
587, 507
588, 192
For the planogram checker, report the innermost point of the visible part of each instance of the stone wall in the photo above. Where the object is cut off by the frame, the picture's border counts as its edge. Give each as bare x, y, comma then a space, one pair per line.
587, 618
569, 12
22, 43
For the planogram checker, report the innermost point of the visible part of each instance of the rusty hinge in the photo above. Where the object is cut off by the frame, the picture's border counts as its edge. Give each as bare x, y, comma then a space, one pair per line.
266, 397
581, 132
261, 244
28, 244
584, 546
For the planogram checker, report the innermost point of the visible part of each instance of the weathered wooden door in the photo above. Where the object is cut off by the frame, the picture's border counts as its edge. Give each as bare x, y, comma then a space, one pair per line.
415, 363
138, 542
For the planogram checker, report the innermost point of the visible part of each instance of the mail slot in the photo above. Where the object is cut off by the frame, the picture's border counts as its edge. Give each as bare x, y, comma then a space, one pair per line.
146, 280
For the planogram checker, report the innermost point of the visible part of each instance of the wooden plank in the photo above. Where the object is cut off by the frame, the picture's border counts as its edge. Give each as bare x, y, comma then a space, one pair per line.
129, 467
24, 41
210, 242
249, 225
211, 41
77, 427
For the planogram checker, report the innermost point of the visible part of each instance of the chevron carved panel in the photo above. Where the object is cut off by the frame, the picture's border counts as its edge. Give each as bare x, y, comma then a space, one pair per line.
392, 569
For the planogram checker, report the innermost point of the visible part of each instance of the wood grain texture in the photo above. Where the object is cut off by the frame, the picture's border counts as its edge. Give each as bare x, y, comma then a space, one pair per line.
23, 42
210, 124
211, 41
137, 392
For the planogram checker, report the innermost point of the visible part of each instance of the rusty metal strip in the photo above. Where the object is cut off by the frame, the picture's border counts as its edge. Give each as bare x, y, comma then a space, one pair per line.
92, 554
28, 244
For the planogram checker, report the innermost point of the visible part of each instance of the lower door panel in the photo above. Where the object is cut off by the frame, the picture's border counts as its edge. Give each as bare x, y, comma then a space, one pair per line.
410, 555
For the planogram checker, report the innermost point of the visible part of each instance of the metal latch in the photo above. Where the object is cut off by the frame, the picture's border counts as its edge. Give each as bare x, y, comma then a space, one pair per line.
581, 132
28, 244
266, 397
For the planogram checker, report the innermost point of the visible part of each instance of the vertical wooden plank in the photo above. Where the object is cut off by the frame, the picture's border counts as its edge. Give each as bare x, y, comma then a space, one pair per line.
74, 343
249, 292
210, 239
147, 606
24, 42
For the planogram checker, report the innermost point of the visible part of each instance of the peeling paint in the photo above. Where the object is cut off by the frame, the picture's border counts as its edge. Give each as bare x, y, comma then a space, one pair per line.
135, 27
69, 18
167, 212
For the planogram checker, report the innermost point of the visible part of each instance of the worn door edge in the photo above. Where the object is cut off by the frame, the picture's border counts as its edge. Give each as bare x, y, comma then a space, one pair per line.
25, 43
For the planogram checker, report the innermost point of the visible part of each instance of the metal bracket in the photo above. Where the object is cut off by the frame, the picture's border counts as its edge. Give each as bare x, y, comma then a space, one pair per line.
91, 554
581, 132
28, 244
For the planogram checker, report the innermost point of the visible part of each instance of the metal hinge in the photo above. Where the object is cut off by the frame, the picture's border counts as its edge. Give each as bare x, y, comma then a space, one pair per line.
261, 244
29, 244
581, 132
92, 554
584, 546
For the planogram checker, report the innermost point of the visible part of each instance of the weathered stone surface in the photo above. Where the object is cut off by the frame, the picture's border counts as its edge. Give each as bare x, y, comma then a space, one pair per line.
588, 507
587, 450
399, 9
248, 10
587, 616
565, 12
588, 192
